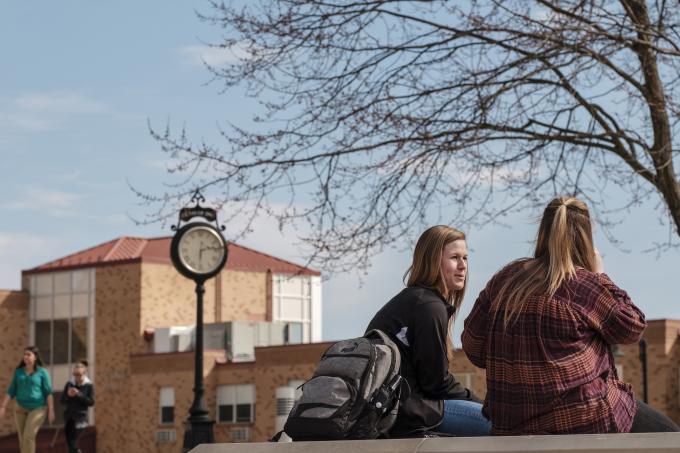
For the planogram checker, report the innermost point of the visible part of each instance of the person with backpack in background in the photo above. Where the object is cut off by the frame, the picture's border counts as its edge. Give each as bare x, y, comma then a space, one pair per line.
77, 396
32, 388
419, 321
543, 329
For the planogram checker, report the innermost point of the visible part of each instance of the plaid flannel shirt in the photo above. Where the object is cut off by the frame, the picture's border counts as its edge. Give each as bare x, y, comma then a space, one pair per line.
552, 371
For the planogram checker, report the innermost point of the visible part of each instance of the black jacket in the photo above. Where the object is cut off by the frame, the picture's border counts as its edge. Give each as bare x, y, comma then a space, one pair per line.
75, 407
417, 320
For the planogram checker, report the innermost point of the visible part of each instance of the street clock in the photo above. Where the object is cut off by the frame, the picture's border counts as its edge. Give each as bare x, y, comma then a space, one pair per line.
198, 251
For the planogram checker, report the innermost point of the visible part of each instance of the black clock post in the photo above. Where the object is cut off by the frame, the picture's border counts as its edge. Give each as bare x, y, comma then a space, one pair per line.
199, 252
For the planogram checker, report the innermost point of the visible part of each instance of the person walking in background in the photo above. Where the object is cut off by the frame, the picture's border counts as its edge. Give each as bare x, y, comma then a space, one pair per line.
419, 320
32, 388
77, 396
543, 328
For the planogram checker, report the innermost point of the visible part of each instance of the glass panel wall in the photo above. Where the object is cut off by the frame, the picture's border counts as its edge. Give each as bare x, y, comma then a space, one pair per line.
292, 299
61, 320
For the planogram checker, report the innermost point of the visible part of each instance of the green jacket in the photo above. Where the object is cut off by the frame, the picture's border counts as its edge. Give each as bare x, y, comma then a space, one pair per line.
30, 391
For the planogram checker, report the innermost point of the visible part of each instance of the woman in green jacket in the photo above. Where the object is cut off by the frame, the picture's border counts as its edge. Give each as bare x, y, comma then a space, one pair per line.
32, 388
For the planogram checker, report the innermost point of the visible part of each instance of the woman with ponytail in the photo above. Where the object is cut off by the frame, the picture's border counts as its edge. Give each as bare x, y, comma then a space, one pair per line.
419, 320
543, 329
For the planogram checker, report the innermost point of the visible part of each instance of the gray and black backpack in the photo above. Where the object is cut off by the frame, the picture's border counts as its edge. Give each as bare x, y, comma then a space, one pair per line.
354, 393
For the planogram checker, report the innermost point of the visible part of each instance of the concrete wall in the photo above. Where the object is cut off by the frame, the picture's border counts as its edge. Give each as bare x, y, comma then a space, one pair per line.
13, 340
595, 443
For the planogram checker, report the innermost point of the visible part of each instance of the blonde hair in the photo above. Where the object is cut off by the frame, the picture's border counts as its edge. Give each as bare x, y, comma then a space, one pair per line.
564, 242
426, 267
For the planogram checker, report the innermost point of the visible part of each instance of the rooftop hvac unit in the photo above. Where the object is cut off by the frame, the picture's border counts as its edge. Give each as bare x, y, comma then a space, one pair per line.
161, 340
215, 336
241, 434
181, 342
240, 339
166, 436
173, 339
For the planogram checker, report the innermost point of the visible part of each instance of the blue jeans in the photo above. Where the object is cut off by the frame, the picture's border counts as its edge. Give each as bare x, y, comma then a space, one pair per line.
464, 418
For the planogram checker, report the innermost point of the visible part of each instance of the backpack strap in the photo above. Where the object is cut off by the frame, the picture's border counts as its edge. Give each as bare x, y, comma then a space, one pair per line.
277, 437
379, 333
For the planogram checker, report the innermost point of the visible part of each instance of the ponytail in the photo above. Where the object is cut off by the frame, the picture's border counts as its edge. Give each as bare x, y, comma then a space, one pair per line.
561, 266
564, 243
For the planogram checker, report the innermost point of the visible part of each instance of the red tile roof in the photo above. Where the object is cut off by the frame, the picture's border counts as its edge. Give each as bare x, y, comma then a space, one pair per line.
157, 250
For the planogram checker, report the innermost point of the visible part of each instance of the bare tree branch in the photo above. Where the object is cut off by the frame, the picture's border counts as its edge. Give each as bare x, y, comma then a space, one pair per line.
382, 116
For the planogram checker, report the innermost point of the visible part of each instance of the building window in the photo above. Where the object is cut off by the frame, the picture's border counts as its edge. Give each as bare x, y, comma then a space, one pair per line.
43, 340
292, 304
61, 341
60, 334
166, 397
236, 403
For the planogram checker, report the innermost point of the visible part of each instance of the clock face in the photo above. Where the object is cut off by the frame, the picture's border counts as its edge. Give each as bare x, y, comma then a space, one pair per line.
201, 250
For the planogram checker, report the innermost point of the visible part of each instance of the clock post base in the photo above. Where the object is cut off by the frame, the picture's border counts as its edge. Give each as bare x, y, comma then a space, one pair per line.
197, 433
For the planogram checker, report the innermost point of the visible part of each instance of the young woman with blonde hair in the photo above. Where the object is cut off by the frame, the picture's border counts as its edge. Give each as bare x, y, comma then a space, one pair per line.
543, 328
418, 320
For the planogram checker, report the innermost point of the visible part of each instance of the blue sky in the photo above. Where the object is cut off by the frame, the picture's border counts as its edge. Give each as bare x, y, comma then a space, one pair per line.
79, 82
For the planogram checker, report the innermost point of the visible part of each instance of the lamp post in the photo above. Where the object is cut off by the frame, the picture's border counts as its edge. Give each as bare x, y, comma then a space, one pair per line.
199, 252
643, 361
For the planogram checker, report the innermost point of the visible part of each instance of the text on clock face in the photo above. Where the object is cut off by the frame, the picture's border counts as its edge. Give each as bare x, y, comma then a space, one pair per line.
201, 250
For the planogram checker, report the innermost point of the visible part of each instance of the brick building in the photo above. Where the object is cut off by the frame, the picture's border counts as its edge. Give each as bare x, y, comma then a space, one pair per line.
123, 306
109, 302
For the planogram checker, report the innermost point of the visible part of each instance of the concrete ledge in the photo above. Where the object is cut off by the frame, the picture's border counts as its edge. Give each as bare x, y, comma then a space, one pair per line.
599, 443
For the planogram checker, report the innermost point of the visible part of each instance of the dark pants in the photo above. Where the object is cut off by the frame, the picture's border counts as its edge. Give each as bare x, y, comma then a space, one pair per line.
649, 420
72, 434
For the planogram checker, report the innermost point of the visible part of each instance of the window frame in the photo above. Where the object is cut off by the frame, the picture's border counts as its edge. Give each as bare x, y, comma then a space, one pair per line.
162, 406
237, 397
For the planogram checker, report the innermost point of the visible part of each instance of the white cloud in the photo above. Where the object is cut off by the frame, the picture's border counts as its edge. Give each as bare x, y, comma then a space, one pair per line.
264, 233
23, 251
23, 122
37, 112
56, 203
213, 56
61, 102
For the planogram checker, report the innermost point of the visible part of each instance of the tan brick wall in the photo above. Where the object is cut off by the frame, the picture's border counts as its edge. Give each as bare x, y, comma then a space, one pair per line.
240, 373
117, 335
663, 363
13, 340
169, 299
461, 364
130, 298
149, 374
274, 368
244, 296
